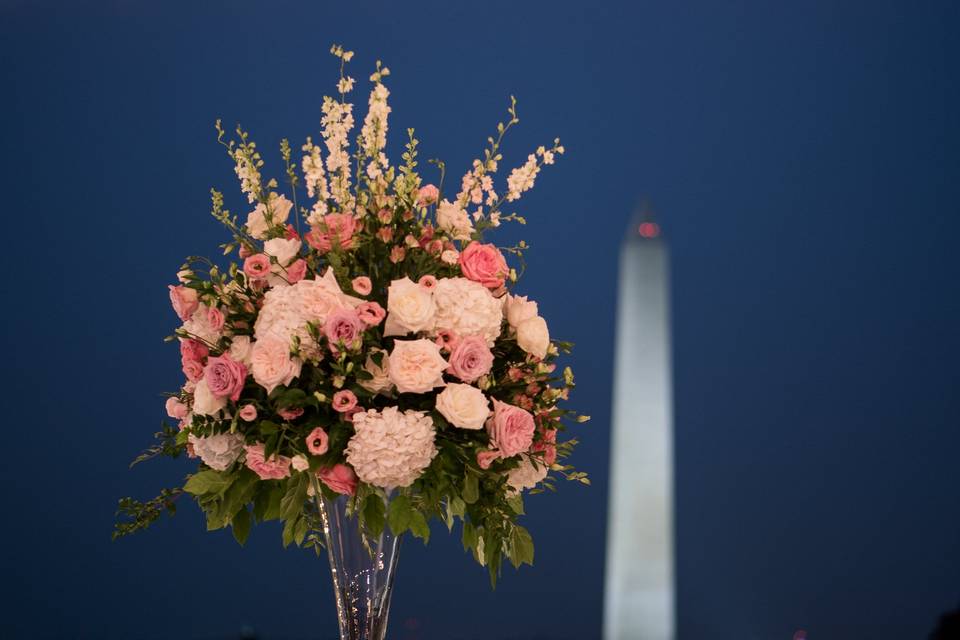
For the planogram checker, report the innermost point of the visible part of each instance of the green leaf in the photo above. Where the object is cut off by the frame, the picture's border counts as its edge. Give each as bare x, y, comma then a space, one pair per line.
268, 428
266, 504
241, 526
521, 544
469, 537
418, 526
292, 503
373, 514
289, 529
399, 514
207, 482
300, 531
471, 488
516, 503
458, 507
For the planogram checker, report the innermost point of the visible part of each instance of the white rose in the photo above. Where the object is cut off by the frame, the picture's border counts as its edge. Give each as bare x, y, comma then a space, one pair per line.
463, 405
416, 366
454, 220
381, 380
299, 463
219, 451
257, 224
518, 309
410, 308
533, 336
271, 364
283, 249
204, 402
240, 349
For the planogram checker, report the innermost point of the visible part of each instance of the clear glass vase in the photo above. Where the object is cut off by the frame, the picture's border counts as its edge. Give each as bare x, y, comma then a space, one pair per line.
363, 569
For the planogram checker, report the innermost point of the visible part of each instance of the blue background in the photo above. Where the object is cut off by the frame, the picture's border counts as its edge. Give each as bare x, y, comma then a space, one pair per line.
804, 159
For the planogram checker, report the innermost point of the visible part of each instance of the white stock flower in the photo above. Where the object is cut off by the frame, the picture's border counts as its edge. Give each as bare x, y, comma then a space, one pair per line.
220, 451
204, 402
410, 308
416, 366
391, 448
527, 475
533, 336
381, 379
518, 308
467, 308
452, 218
463, 406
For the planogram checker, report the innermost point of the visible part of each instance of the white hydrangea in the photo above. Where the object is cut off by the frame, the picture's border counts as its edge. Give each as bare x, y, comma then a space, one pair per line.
467, 308
391, 448
527, 475
219, 451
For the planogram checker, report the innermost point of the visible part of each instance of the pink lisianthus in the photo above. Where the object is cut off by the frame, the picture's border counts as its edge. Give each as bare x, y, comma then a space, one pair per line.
336, 229
317, 442
427, 282
292, 233
362, 285
176, 409
248, 413
470, 358
290, 413
446, 339
485, 264
397, 254
184, 301
486, 457
276, 468
344, 401
343, 328
511, 429
385, 234
257, 267
215, 318
427, 195
191, 349
339, 478
371, 313
225, 377
296, 271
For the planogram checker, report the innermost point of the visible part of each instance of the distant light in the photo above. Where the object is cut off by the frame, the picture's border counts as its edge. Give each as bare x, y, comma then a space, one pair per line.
800, 635
648, 230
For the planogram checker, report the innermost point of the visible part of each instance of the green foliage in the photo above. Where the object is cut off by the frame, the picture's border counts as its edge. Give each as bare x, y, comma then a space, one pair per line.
134, 515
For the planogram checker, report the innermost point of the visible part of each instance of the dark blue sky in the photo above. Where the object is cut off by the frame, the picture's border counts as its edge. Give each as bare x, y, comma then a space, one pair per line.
804, 159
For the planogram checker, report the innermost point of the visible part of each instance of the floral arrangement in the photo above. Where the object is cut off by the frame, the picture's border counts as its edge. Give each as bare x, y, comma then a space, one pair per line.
378, 353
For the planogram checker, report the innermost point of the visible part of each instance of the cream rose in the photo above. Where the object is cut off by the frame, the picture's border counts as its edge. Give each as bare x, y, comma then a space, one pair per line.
410, 308
463, 406
533, 336
518, 308
204, 402
416, 366
271, 364
240, 349
381, 380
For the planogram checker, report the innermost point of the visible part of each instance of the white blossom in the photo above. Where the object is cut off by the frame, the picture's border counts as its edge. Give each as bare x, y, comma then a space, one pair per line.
391, 448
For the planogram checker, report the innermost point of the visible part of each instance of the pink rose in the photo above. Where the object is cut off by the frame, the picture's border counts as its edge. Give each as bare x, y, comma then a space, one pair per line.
371, 313
193, 369
176, 409
343, 329
191, 349
548, 445
470, 358
427, 195
225, 377
427, 282
339, 478
486, 457
317, 442
257, 267
485, 264
296, 271
215, 318
184, 301
511, 429
344, 401
290, 413
362, 285
248, 413
336, 229
276, 468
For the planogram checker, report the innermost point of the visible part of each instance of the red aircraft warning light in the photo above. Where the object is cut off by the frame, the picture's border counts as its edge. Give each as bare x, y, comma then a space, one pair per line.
648, 230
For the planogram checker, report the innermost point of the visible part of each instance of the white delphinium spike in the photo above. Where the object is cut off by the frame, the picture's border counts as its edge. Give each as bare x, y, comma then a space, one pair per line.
373, 135
337, 121
315, 180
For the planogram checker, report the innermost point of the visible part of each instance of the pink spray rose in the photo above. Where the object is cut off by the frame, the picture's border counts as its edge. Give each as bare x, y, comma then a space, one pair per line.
340, 478
191, 349
290, 413
486, 457
511, 429
225, 377
276, 468
470, 358
317, 442
296, 271
548, 445
215, 318
257, 267
362, 285
336, 229
184, 301
176, 409
485, 264
342, 328
344, 401
427, 195
193, 369
248, 413
371, 313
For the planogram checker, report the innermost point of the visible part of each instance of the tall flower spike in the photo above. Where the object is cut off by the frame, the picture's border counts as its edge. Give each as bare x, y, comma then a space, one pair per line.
315, 179
373, 135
